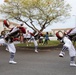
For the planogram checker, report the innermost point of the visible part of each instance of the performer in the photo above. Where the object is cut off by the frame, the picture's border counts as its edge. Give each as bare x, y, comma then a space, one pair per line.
32, 37
27, 37
35, 37
8, 40
67, 46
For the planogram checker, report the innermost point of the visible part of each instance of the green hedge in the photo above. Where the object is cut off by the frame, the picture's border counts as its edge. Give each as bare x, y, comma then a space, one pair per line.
50, 43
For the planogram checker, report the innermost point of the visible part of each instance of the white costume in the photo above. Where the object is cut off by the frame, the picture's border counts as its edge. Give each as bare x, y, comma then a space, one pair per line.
9, 38
30, 37
69, 45
11, 47
8, 41
35, 43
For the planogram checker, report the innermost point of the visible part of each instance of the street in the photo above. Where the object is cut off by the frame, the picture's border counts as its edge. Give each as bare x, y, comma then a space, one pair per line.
46, 62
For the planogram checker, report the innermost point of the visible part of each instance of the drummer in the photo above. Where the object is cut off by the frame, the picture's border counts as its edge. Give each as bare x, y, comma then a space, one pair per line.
67, 46
8, 39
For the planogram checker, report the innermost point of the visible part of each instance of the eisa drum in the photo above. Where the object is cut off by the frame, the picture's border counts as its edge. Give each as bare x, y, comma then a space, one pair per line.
6, 23
59, 35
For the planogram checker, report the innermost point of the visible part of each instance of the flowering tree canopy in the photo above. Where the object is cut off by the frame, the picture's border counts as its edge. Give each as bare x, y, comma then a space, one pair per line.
36, 13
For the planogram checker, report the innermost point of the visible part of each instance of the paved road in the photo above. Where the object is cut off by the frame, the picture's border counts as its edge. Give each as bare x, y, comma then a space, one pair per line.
46, 62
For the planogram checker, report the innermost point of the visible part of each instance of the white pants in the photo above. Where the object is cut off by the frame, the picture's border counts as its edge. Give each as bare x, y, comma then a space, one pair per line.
11, 47
35, 43
71, 49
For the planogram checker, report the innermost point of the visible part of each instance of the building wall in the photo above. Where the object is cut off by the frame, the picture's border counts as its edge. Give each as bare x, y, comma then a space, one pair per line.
1, 26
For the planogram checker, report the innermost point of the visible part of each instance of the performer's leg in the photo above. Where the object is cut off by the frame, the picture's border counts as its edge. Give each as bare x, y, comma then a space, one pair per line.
11, 48
36, 49
12, 51
36, 45
2, 42
62, 52
72, 61
12, 56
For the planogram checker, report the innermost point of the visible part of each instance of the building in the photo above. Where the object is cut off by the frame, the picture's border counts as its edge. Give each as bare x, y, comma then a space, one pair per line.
60, 29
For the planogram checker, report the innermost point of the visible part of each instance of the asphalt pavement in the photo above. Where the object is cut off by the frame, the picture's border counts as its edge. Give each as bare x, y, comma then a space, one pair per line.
46, 62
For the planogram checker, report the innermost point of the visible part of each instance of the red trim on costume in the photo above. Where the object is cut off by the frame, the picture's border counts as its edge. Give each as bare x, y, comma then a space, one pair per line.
11, 29
31, 33
41, 34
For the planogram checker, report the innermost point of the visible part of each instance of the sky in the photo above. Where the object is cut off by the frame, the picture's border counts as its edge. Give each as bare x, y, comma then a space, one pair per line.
1, 1
69, 23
